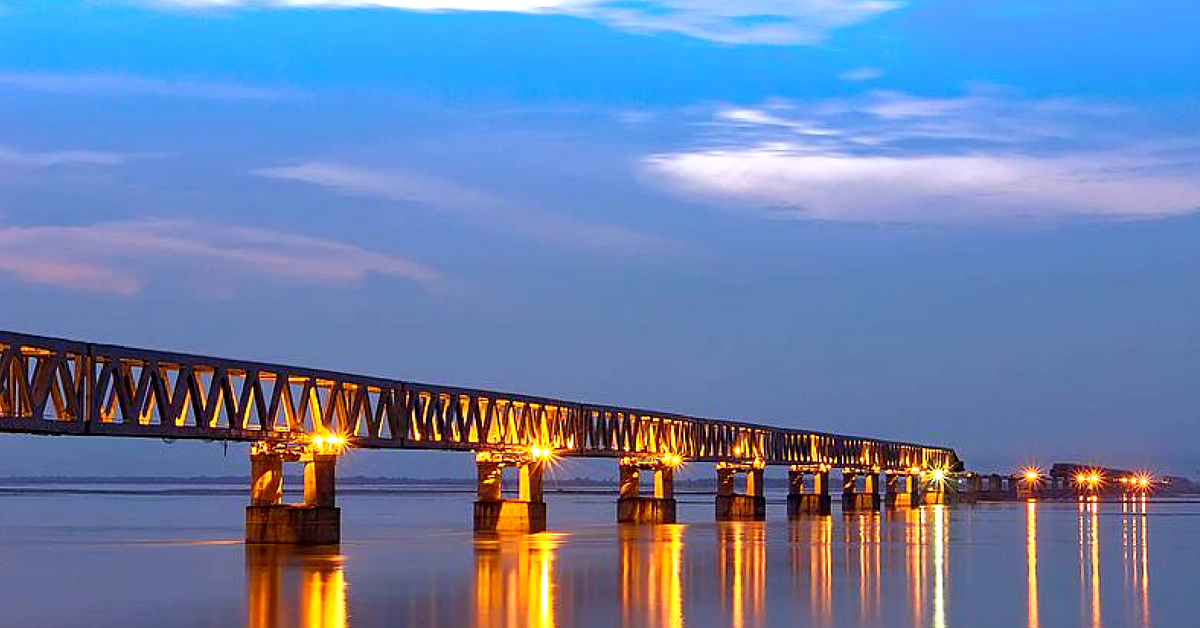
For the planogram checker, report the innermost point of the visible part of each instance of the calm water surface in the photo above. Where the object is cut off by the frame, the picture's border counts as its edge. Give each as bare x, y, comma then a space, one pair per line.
410, 560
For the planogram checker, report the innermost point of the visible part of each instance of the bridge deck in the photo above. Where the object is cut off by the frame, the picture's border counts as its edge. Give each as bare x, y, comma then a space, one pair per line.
56, 386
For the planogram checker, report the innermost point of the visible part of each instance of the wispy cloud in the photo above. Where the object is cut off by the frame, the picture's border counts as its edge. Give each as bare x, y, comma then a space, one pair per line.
14, 157
128, 84
472, 205
987, 156
119, 257
859, 75
748, 21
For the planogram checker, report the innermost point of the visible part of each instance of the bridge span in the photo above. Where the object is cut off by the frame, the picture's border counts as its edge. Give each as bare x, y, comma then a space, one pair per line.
296, 414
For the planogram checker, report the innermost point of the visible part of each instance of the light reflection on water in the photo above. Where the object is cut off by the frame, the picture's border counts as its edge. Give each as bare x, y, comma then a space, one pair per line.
295, 587
651, 576
1039, 565
514, 580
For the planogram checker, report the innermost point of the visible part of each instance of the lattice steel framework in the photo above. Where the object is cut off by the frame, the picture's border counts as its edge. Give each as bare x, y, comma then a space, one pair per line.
54, 386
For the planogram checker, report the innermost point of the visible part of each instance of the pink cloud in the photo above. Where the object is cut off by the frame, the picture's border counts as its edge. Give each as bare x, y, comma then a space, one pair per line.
119, 257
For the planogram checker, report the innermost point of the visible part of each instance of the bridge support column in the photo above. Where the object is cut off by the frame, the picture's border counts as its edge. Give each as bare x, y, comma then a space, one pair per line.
970, 494
934, 491
731, 506
494, 513
901, 490
1001, 489
854, 501
316, 521
632, 506
1029, 489
802, 502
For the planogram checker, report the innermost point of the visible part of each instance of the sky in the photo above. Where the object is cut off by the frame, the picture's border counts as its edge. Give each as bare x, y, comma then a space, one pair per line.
964, 223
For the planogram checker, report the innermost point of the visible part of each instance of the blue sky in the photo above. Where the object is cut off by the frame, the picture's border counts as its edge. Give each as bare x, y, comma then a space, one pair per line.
969, 223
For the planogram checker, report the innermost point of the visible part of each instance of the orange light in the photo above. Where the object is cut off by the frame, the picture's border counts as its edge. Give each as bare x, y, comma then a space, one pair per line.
672, 460
537, 452
1032, 474
328, 443
938, 475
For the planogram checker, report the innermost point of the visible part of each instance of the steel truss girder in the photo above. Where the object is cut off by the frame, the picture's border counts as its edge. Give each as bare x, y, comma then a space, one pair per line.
55, 386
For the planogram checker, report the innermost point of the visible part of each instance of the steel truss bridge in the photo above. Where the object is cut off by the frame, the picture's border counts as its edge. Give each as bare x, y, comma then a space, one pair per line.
56, 386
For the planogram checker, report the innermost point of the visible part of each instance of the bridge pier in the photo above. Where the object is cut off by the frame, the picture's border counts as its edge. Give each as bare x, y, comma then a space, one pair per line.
316, 521
973, 485
897, 497
855, 501
733, 506
495, 513
935, 491
802, 502
632, 506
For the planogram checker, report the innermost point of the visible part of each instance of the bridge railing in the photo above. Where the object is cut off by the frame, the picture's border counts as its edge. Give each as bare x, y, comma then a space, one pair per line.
55, 386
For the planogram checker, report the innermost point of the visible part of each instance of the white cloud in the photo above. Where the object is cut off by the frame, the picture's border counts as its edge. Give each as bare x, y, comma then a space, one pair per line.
927, 189
118, 257
748, 21
985, 157
472, 205
858, 75
120, 84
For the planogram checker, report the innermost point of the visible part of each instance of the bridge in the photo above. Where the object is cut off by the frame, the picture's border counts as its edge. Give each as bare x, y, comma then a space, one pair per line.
302, 415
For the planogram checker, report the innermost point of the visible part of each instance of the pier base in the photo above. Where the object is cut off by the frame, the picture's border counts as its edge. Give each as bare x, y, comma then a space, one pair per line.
494, 513
269, 521
293, 524
803, 502
902, 491
809, 504
734, 506
645, 510
970, 493
741, 508
854, 501
510, 515
860, 502
632, 505
936, 498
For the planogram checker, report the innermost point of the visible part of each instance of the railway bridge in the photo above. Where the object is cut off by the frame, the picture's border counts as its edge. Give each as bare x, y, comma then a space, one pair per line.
293, 414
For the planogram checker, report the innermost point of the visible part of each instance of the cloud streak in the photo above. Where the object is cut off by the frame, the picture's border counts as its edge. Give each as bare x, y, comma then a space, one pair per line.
474, 206
985, 157
133, 85
120, 257
42, 159
748, 22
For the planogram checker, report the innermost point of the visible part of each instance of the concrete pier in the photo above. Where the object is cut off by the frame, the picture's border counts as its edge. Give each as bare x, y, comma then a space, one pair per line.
901, 490
316, 521
632, 506
802, 502
733, 506
493, 512
937, 492
852, 499
972, 486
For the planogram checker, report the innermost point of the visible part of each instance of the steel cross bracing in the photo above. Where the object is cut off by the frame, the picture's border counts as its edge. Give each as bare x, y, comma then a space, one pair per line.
54, 386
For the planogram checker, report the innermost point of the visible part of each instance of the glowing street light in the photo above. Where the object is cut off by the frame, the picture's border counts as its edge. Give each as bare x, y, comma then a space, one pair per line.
1091, 480
537, 452
672, 460
328, 443
1032, 475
